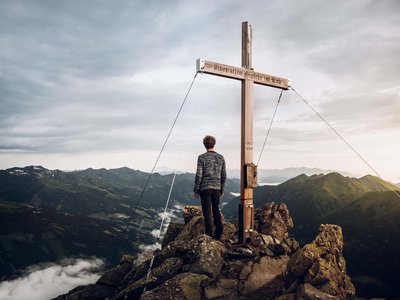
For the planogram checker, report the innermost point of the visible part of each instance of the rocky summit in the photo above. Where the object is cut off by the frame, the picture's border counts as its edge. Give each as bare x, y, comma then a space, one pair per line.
192, 265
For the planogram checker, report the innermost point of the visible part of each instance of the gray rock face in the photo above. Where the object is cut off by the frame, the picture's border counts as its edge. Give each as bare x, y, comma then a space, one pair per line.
192, 265
273, 220
321, 264
308, 292
222, 289
172, 232
266, 245
176, 248
194, 225
193, 228
206, 256
89, 292
190, 211
168, 269
266, 277
184, 286
115, 276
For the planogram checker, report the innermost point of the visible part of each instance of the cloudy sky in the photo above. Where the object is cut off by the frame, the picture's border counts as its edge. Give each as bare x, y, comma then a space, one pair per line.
98, 83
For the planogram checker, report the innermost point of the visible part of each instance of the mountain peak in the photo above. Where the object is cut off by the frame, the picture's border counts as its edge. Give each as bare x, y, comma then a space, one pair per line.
298, 179
377, 184
27, 171
192, 265
334, 175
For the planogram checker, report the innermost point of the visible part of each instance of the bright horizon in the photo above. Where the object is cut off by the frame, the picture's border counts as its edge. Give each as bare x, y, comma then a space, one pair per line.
97, 84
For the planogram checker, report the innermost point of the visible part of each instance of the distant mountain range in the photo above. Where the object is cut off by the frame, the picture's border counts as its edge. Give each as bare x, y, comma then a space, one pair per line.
282, 175
268, 175
46, 214
96, 193
368, 211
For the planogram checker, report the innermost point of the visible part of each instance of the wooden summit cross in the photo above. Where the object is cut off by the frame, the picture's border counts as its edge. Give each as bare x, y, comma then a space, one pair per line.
248, 170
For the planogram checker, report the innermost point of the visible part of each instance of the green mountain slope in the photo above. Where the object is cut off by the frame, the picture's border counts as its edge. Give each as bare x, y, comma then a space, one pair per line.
308, 197
368, 211
29, 235
371, 227
50, 214
93, 191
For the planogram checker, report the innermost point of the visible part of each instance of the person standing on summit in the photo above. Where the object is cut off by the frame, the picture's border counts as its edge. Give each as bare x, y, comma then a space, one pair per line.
209, 186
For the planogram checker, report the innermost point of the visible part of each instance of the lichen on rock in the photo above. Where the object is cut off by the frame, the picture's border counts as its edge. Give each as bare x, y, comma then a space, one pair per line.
184, 286
192, 265
206, 255
321, 264
274, 220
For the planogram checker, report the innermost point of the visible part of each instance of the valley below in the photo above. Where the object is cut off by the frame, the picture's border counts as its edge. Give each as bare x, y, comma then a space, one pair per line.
48, 215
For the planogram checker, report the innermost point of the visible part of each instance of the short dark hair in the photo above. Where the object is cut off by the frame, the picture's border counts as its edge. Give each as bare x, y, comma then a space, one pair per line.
209, 142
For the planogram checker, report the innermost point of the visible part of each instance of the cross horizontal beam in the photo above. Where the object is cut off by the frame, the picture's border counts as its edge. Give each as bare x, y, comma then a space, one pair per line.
210, 67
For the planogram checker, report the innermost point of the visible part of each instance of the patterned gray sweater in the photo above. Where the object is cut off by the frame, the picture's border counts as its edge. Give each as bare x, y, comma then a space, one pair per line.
211, 172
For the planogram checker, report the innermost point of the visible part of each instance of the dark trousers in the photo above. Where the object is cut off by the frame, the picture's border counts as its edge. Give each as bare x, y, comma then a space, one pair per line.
210, 203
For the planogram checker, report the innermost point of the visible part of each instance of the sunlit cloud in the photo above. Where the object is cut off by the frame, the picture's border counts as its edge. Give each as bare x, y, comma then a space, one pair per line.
48, 281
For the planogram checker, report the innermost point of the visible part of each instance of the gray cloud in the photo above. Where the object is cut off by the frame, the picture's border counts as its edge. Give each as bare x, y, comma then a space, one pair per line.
77, 77
48, 281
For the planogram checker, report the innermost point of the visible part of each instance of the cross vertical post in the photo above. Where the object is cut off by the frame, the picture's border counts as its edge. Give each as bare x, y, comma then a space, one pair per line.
248, 77
246, 208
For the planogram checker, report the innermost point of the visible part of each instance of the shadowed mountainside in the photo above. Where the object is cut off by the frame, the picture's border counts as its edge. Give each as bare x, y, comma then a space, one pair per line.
31, 235
48, 205
47, 215
366, 208
371, 225
310, 197
95, 191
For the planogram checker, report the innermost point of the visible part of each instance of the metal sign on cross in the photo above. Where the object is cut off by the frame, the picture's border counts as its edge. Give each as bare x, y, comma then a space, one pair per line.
248, 170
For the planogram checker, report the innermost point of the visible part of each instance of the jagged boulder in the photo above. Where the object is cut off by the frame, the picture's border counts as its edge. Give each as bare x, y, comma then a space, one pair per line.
322, 265
88, 292
274, 220
309, 292
222, 289
185, 286
172, 232
194, 226
266, 277
206, 256
267, 245
252, 279
170, 267
306, 292
271, 233
136, 273
202, 254
190, 211
193, 265
176, 248
115, 276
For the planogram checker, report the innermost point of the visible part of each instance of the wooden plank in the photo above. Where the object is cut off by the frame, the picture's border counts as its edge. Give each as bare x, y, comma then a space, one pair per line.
214, 68
246, 46
246, 157
210, 67
246, 194
268, 80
